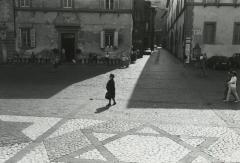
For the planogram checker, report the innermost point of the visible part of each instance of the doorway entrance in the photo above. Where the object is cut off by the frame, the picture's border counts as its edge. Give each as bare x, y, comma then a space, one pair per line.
68, 44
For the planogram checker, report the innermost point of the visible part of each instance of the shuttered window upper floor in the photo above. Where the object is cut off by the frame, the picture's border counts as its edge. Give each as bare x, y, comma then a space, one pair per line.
76, 4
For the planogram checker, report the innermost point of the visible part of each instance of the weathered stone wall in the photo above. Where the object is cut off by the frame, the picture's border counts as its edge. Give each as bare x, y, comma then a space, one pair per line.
90, 27
7, 45
6, 13
178, 24
225, 17
90, 24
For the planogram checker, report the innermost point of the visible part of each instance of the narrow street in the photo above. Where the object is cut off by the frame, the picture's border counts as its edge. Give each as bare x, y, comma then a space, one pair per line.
165, 113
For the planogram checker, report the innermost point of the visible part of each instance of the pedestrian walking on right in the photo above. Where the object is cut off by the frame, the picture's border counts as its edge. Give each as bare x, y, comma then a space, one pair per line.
202, 61
232, 87
229, 76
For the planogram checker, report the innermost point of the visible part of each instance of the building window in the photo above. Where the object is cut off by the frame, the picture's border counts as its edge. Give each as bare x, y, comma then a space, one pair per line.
67, 3
109, 38
209, 32
27, 38
25, 34
236, 33
109, 4
25, 3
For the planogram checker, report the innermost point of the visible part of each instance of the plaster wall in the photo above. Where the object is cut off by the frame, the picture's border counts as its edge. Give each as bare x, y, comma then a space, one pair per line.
88, 36
225, 17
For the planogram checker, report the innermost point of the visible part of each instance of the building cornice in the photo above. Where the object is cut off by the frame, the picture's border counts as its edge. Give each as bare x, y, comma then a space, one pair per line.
216, 4
38, 9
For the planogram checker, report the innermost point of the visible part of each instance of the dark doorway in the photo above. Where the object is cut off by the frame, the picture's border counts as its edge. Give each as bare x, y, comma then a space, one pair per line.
68, 43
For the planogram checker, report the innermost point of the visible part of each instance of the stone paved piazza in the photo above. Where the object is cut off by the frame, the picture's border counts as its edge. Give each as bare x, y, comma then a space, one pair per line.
164, 114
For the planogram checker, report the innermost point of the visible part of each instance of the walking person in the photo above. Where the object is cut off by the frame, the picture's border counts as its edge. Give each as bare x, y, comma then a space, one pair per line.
202, 61
110, 95
184, 60
63, 54
125, 61
107, 58
232, 87
56, 58
226, 84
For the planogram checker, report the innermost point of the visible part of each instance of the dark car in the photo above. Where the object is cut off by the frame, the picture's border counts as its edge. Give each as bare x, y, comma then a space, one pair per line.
235, 60
218, 62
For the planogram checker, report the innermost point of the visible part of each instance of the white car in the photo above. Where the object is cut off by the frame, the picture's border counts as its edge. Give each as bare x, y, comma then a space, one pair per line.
148, 51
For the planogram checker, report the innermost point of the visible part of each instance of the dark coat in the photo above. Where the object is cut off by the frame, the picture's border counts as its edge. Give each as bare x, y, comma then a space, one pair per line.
111, 88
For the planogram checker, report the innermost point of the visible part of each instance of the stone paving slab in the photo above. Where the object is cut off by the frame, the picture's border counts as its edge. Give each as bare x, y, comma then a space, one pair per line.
64, 125
92, 139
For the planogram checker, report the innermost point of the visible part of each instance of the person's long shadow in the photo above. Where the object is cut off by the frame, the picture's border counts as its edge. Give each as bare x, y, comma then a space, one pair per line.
102, 109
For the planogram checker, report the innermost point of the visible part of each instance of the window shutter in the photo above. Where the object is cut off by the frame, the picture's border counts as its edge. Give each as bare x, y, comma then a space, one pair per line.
116, 2
104, 4
116, 39
73, 3
61, 2
19, 38
102, 39
30, 3
33, 37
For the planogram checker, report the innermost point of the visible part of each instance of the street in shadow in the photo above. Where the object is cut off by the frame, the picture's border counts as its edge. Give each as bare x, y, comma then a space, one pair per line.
40, 82
165, 83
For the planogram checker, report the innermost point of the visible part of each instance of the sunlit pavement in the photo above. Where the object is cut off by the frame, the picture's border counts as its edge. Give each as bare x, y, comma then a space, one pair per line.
164, 113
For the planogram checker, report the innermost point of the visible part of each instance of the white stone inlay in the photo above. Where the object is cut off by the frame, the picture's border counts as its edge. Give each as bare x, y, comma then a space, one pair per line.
149, 149
200, 159
40, 124
38, 155
192, 130
73, 125
103, 136
7, 152
92, 155
193, 141
148, 130
226, 148
235, 156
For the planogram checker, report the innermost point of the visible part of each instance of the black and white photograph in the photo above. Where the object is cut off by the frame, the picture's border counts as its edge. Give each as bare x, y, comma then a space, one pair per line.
119, 81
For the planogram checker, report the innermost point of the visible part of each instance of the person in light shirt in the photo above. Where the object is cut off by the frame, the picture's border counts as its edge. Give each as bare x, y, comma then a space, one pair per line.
232, 87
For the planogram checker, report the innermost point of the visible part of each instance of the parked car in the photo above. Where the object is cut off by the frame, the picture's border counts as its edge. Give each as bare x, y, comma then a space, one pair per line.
148, 51
219, 62
235, 60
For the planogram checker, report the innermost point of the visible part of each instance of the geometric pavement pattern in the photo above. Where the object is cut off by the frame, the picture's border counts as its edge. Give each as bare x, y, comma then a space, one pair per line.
91, 140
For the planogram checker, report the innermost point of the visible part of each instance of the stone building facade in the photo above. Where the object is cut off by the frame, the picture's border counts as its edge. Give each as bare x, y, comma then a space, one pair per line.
83, 27
213, 24
160, 22
160, 35
143, 24
7, 32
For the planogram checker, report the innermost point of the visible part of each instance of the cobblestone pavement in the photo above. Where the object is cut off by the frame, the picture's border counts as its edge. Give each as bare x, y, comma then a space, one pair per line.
164, 113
